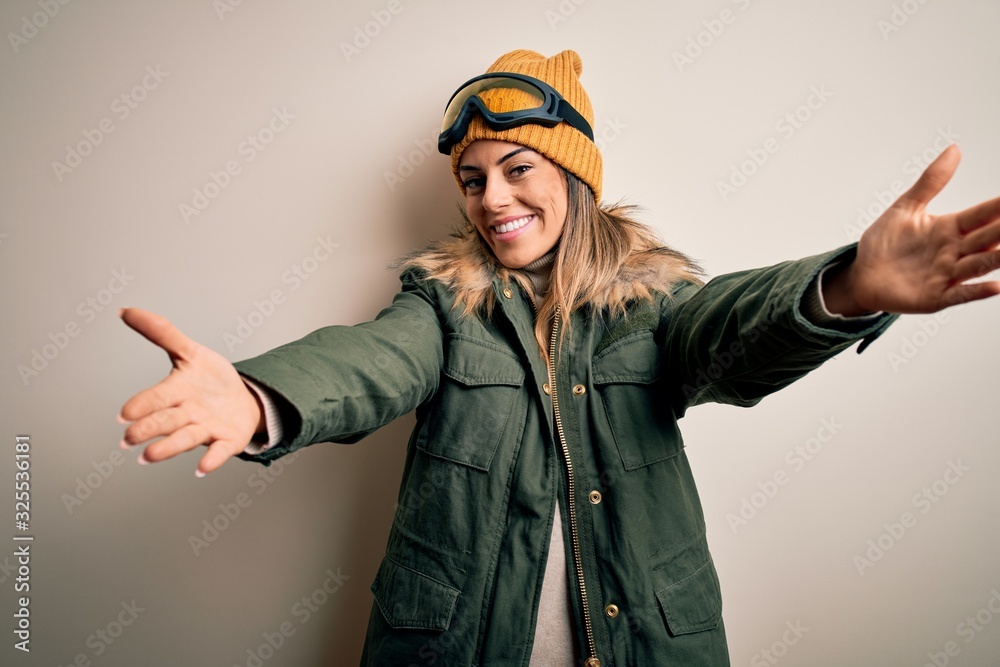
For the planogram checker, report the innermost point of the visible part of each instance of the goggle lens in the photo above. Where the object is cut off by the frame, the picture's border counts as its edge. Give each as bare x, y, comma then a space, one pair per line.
535, 98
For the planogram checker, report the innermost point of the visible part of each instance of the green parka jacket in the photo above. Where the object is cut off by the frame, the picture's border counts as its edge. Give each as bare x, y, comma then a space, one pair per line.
498, 442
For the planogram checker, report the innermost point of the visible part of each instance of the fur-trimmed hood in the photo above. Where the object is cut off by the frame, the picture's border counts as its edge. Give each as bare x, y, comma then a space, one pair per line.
464, 263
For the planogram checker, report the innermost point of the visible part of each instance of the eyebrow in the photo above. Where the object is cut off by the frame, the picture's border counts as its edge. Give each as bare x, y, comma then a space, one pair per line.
466, 167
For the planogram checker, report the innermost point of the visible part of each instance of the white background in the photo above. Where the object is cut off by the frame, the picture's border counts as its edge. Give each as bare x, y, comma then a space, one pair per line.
673, 131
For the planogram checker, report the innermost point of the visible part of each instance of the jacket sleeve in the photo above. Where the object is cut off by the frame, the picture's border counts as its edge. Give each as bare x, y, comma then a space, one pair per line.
340, 383
745, 335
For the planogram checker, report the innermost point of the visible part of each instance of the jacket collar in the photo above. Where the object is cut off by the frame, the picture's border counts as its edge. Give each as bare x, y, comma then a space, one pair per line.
464, 264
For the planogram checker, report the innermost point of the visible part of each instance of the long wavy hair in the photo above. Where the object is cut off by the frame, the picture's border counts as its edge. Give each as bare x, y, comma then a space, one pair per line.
605, 259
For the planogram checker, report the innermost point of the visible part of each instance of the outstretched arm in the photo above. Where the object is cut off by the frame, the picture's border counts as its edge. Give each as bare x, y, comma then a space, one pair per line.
910, 261
337, 384
203, 401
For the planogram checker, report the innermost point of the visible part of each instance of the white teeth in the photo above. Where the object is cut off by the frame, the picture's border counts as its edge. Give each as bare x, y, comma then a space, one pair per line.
512, 225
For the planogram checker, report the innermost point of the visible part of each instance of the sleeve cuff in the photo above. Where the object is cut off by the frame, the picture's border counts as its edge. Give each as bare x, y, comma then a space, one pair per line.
815, 310
274, 431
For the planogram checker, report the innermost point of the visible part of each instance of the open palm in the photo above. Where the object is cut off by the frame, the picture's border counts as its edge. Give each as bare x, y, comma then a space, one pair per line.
203, 401
910, 261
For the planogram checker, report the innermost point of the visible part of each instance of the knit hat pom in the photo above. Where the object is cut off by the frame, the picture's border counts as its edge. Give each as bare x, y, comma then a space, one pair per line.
565, 58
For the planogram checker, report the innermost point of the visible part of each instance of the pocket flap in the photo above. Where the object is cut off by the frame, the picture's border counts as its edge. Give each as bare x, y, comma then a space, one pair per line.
409, 599
632, 359
476, 362
694, 603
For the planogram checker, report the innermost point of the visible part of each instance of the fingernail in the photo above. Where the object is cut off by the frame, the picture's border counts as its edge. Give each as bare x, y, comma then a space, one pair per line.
123, 445
120, 419
199, 473
121, 311
142, 460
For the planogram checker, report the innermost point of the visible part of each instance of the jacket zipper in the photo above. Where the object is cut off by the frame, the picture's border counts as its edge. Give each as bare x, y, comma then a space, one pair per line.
592, 661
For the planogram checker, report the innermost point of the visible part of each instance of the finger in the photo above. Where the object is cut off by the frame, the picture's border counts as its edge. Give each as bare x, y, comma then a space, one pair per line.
218, 453
979, 215
977, 265
178, 442
159, 331
984, 238
971, 292
935, 177
166, 394
161, 422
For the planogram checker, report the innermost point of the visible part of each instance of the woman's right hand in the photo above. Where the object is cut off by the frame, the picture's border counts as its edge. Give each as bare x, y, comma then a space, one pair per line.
203, 401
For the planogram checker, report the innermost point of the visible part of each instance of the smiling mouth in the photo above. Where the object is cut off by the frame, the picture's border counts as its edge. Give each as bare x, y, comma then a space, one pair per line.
512, 225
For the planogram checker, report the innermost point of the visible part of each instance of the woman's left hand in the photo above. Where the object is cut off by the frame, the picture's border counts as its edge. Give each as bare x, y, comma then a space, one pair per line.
910, 261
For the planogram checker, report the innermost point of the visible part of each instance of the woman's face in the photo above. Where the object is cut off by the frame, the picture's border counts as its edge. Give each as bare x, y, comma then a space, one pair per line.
515, 197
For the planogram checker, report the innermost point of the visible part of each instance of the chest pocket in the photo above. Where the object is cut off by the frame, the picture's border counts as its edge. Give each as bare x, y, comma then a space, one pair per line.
640, 417
474, 403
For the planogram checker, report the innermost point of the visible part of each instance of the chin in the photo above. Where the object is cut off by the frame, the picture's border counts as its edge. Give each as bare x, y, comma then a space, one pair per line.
511, 264
515, 260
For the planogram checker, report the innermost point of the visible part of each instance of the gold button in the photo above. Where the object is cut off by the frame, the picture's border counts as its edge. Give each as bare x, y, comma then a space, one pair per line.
611, 610
579, 390
546, 389
595, 497
592, 662
508, 293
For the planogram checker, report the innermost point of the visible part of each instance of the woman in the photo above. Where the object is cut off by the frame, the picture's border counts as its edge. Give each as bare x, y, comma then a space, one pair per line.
547, 511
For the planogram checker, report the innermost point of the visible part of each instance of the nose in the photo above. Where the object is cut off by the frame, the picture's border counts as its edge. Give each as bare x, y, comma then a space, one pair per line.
496, 194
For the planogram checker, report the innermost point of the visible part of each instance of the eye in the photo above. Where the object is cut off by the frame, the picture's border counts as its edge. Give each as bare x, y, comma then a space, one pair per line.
474, 183
519, 170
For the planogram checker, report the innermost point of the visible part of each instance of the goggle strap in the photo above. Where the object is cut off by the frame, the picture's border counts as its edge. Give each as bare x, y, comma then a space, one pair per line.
575, 119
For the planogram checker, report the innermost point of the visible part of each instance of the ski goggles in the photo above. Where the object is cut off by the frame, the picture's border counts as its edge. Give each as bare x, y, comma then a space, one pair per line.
546, 107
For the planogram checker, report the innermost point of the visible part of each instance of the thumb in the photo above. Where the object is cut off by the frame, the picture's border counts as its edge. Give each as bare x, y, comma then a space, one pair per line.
159, 331
935, 177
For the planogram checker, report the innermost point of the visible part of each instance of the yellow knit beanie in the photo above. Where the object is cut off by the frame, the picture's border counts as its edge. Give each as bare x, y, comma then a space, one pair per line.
562, 144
